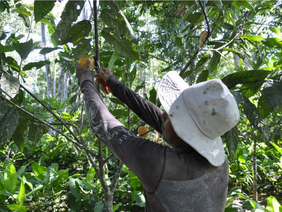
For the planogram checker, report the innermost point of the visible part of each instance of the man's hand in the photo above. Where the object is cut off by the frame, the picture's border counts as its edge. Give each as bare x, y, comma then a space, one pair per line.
80, 70
102, 79
104, 75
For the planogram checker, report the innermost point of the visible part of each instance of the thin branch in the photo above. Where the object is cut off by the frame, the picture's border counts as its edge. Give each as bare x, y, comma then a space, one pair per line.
47, 124
107, 158
199, 49
115, 180
206, 18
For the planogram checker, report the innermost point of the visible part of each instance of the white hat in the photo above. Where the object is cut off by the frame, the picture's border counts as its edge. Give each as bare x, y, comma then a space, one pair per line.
199, 114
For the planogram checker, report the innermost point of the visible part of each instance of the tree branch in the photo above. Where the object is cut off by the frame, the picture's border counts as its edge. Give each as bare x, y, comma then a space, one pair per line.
115, 180
206, 18
47, 124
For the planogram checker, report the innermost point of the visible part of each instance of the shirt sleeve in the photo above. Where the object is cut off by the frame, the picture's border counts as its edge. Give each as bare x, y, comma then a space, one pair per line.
144, 158
145, 109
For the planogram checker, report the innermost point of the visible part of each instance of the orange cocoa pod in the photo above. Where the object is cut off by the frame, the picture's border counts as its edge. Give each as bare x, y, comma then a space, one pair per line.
83, 60
141, 130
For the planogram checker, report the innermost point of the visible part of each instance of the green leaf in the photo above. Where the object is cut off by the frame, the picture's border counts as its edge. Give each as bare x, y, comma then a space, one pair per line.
42, 8
252, 37
113, 59
8, 125
74, 187
243, 77
203, 76
23, 49
16, 207
263, 106
10, 85
273, 93
12, 63
79, 31
273, 205
36, 131
99, 206
273, 42
21, 194
122, 46
19, 134
214, 62
70, 14
139, 198
244, 3
37, 65
153, 95
232, 141
3, 108
276, 31
10, 178
252, 114
114, 20
5, 48
232, 50
38, 170
90, 175
82, 48
135, 182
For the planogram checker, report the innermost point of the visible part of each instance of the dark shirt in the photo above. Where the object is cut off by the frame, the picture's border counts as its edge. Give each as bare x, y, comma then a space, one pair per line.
173, 179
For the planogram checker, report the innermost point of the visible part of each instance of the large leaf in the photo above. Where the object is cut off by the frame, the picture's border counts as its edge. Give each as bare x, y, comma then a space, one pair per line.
273, 42
122, 46
74, 188
232, 140
19, 133
48, 50
17, 207
8, 125
37, 65
36, 131
21, 194
273, 205
214, 62
252, 114
273, 93
243, 77
3, 108
82, 48
23, 49
12, 63
252, 37
42, 8
79, 31
70, 14
10, 85
38, 170
113, 20
10, 178
263, 106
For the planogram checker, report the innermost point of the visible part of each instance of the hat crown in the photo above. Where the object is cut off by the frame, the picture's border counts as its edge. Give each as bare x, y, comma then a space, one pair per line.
212, 107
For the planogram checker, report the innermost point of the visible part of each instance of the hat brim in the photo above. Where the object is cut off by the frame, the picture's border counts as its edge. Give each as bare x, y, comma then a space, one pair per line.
170, 93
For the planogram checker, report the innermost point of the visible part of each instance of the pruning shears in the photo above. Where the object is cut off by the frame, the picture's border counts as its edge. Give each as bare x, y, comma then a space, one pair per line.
104, 85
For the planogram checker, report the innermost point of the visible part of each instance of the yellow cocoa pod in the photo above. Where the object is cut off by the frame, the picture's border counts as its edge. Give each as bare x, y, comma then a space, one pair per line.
141, 130
83, 60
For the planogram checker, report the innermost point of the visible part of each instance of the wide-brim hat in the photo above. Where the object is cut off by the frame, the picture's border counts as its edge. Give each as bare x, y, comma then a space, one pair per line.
200, 113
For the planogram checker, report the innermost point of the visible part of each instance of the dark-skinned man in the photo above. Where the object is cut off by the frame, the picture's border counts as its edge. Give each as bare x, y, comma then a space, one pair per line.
192, 176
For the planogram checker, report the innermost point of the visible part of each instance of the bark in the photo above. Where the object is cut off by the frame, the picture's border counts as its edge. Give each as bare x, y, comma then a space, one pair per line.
47, 67
61, 84
66, 85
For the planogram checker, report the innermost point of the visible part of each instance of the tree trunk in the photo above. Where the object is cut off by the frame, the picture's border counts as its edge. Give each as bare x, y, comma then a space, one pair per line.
47, 67
255, 192
61, 84
109, 202
66, 83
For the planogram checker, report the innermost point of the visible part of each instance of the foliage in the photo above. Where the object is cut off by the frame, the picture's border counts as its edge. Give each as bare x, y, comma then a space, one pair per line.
46, 145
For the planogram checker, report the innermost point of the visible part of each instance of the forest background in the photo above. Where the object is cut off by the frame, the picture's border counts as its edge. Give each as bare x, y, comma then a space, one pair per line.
50, 161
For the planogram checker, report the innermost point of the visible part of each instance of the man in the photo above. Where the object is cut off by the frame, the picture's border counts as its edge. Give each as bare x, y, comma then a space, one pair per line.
193, 175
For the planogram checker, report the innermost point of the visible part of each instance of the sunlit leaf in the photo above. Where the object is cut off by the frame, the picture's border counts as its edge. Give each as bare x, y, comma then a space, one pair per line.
9, 123
252, 37
10, 178
37, 65
42, 8
9, 84
16, 207
70, 14
21, 194
122, 46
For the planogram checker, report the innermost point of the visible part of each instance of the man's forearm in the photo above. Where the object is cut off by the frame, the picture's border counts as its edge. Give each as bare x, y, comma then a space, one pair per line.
101, 120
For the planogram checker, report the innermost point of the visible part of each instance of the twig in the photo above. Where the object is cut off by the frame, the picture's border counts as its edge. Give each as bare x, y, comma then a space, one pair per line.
206, 18
46, 123
106, 159
115, 180
199, 49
